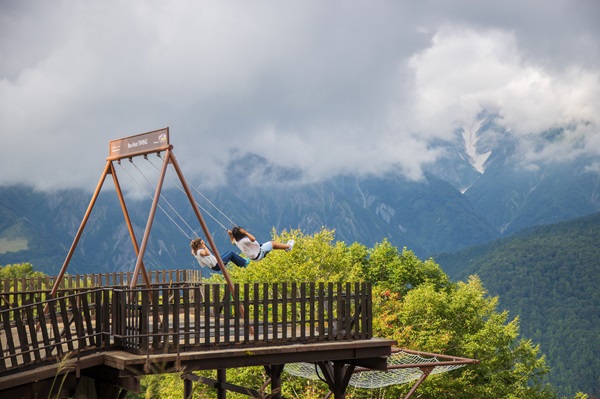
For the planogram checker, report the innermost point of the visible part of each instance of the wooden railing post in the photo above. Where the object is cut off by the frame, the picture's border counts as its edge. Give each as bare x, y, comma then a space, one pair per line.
369, 311
143, 317
118, 314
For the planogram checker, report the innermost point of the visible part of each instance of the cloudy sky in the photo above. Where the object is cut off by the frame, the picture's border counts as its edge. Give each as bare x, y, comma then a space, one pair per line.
325, 86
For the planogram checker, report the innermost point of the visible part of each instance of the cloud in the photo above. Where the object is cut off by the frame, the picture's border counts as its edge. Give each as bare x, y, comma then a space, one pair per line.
329, 88
467, 72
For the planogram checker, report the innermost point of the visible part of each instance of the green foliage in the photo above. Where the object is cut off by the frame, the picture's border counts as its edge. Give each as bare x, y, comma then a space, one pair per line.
416, 304
63, 366
12, 274
314, 258
462, 321
401, 272
549, 277
18, 270
164, 386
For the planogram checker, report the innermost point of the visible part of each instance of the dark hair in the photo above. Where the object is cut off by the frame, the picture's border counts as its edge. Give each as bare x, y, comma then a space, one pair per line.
237, 234
196, 243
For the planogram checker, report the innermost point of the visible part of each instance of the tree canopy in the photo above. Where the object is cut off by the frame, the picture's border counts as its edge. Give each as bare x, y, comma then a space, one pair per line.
18, 270
415, 304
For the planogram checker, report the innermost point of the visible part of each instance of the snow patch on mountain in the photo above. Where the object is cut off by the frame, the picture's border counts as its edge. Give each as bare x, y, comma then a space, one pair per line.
471, 137
386, 212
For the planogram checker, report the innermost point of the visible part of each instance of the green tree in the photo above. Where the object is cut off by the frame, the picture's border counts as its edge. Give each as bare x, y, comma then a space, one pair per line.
400, 272
11, 274
314, 258
462, 321
416, 305
18, 270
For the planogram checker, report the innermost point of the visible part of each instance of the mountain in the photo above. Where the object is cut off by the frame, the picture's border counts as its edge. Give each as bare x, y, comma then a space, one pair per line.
366, 211
548, 276
476, 193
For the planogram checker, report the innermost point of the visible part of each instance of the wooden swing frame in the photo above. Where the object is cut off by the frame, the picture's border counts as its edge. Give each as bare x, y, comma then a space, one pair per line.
153, 142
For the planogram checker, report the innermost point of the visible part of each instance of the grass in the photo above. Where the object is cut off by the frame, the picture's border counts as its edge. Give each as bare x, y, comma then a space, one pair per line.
63, 366
13, 244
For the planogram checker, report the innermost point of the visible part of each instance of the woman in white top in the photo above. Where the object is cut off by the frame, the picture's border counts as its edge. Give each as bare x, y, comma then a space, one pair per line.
247, 243
206, 259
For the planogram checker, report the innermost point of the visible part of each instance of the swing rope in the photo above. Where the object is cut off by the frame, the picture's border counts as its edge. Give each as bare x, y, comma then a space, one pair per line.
161, 196
201, 207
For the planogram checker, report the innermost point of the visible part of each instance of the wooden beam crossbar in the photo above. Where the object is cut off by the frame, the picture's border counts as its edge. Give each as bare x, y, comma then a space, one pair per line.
218, 384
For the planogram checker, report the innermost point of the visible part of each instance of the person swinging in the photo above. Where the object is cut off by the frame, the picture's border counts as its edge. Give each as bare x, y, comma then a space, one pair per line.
247, 243
206, 259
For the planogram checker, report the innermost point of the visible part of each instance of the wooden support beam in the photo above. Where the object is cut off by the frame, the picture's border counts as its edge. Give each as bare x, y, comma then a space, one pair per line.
337, 375
211, 243
63, 269
140, 258
274, 373
426, 371
221, 381
171, 158
188, 386
370, 363
253, 393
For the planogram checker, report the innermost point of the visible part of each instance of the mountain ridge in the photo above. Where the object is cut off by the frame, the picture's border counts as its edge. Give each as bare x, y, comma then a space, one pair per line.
476, 193
548, 276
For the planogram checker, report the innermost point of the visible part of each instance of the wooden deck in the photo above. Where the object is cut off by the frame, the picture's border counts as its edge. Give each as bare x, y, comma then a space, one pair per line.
180, 326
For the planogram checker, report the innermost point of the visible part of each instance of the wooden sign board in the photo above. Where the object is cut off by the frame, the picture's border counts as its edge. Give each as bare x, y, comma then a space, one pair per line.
145, 143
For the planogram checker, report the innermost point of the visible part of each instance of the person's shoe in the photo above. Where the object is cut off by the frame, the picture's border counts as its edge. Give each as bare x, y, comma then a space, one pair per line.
291, 244
247, 262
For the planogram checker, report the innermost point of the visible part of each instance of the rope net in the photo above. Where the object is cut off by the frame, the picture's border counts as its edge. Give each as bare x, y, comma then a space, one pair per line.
379, 379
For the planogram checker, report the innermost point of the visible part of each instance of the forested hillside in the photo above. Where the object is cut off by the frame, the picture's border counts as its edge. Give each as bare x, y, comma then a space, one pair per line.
366, 211
550, 277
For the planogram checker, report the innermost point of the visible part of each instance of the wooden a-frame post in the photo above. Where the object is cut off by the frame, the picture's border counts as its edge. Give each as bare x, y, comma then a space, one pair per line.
129, 147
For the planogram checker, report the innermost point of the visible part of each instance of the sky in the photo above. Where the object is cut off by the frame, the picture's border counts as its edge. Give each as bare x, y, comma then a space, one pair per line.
328, 87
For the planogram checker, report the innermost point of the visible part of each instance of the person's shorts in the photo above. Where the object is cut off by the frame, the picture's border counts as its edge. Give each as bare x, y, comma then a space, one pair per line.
264, 250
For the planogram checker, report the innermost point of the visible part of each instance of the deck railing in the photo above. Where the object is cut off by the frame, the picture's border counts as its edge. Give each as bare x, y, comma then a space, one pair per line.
112, 279
177, 317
